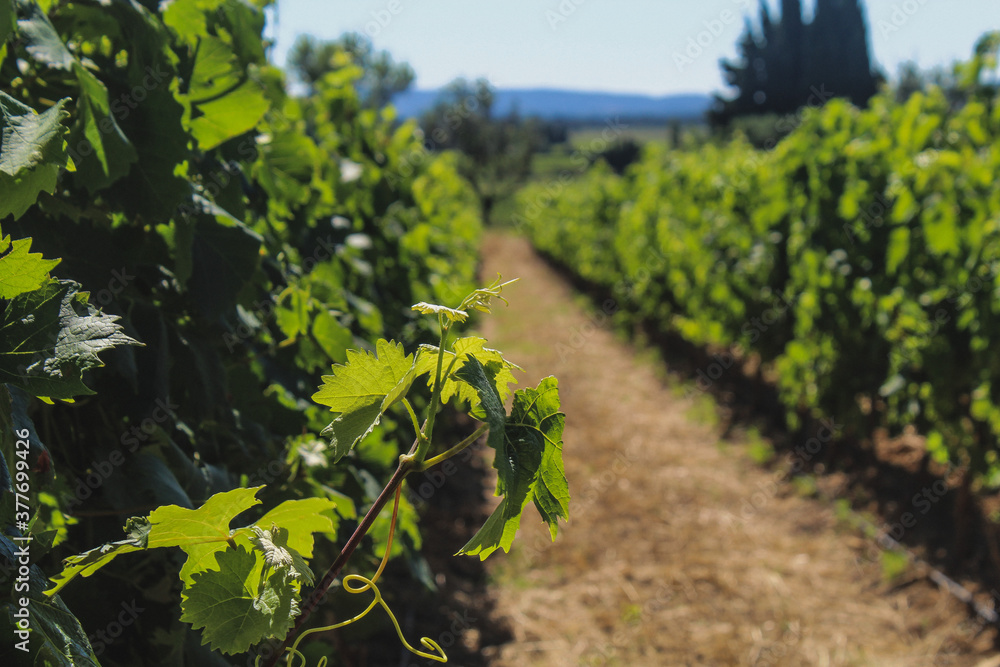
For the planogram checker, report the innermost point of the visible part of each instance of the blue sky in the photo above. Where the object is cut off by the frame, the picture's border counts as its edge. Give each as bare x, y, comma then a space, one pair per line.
642, 46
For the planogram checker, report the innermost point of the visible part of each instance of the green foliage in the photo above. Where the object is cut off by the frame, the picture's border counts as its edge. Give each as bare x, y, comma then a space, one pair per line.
248, 239
34, 151
51, 335
251, 573
495, 153
895, 564
238, 604
463, 350
311, 60
528, 461
20, 270
241, 585
361, 391
858, 259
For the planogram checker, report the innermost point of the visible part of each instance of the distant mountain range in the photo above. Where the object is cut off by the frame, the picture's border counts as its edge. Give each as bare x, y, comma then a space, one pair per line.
570, 105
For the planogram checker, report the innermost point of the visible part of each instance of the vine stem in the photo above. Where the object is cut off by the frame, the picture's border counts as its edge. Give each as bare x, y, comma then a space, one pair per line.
407, 463
405, 467
430, 463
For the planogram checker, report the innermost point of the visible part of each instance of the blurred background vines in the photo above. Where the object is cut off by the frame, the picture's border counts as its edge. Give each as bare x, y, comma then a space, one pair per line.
245, 239
853, 266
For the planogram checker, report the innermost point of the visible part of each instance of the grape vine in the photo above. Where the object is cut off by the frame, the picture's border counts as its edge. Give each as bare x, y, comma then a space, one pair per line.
171, 211
859, 260
242, 585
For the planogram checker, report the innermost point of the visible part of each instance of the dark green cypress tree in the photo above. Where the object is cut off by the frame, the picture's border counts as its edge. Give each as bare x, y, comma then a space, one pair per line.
747, 76
788, 57
789, 63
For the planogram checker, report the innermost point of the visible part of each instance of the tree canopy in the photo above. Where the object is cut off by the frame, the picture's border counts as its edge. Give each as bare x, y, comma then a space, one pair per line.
495, 152
311, 59
786, 63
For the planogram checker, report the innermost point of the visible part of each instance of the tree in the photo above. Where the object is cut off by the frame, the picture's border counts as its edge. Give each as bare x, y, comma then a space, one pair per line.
786, 63
311, 59
495, 152
839, 59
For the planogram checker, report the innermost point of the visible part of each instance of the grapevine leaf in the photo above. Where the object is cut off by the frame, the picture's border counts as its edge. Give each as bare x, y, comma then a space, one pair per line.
41, 40
365, 378
225, 104
56, 635
201, 532
8, 19
529, 462
88, 562
498, 531
351, 427
362, 390
515, 461
57, 638
434, 309
155, 185
536, 414
51, 335
302, 518
20, 270
465, 348
229, 116
97, 128
30, 139
108, 151
273, 543
31, 153
234, 606
188, 18
481, 378
332, 336
215, 70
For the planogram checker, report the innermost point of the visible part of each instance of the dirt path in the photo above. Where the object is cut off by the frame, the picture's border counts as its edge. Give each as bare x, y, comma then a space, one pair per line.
680, 551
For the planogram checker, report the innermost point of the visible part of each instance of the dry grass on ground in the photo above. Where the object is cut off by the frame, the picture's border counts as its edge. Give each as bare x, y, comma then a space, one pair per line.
681, 551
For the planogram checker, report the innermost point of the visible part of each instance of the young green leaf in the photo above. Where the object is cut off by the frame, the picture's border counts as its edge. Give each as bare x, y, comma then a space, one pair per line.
481, 298
202, 532
236, 607
451, 314
88, 562
464, 349
273, 543
301, 518
362, 390
20, 270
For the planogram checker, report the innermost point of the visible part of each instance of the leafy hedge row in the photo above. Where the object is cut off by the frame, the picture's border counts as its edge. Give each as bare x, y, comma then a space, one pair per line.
236, 241
860, 258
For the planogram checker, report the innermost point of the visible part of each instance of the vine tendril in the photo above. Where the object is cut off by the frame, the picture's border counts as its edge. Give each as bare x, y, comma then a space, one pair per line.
366, 585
